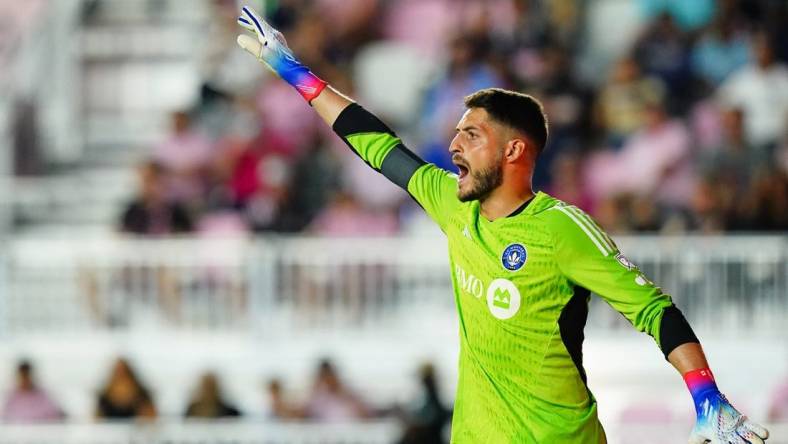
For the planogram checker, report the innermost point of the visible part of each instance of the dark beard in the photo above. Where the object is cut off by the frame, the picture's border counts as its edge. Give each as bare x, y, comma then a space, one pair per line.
485, 181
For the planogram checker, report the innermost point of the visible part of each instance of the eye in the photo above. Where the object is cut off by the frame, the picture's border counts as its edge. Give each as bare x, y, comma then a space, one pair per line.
472, 135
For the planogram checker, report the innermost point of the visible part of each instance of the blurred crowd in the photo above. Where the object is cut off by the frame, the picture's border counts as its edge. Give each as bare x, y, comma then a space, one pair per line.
124, 396
686, 131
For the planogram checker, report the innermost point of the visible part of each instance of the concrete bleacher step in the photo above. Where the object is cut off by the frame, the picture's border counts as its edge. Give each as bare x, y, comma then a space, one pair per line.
82, 197
138, 61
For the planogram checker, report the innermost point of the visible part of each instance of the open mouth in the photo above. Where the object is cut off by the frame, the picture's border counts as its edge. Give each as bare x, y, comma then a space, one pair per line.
462, 167
462, 171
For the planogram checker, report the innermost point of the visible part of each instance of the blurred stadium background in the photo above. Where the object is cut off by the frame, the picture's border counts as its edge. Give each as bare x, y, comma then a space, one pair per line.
170, 208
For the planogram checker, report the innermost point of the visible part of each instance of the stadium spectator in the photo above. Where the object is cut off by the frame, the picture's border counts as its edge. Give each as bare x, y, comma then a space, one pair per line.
278, 406
720, 51
421, 24
309, 192
763, 207
656, 159
611, 213
732, 158
662, 51
466, 71
712, 205
760, 89
185, 155
151, 212
27, 402
345, 216
568, 103
644, 214
268, 144
567, 183
208, 400
622, 102
689, 15
124, 396
260, 174
427, 418
330, 400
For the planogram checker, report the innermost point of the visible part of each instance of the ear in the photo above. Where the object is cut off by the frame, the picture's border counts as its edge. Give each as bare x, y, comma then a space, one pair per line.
515, 149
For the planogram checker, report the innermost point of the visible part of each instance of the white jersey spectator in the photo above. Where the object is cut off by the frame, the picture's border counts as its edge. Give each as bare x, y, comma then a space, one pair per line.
760, 89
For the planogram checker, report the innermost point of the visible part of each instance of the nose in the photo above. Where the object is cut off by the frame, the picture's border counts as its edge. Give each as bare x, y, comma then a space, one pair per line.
454, 146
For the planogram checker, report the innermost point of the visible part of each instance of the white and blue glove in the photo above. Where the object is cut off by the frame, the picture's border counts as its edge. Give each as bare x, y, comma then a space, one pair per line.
269, 47
718, 422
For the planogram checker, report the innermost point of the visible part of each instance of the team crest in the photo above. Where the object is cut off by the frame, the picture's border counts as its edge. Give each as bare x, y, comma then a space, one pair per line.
513, 257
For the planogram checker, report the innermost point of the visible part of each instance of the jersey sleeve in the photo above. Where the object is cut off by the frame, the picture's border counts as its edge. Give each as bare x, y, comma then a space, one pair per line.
433, 188
587, 256
376, 144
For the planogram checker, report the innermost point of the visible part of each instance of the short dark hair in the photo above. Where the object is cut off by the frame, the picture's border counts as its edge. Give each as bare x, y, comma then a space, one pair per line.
515, 110
24, 367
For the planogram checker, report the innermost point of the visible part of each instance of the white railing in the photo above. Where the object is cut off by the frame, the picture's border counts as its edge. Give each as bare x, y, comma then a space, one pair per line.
240, 432
215, 432
278, 285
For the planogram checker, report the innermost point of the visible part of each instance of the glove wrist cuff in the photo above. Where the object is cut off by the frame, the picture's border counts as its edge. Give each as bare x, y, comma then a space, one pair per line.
306, 83
700, 381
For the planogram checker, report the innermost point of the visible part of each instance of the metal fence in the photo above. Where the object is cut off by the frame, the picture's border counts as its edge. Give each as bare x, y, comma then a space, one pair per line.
218, 432
276, 285
208, 432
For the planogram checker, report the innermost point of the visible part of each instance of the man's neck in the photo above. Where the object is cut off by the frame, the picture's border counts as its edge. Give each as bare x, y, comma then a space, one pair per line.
501, 203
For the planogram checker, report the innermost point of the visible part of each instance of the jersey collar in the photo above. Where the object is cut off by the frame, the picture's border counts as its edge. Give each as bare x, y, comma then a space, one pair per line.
522, 207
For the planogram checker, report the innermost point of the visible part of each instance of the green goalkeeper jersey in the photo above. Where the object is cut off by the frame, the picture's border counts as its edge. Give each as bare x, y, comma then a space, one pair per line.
521, 285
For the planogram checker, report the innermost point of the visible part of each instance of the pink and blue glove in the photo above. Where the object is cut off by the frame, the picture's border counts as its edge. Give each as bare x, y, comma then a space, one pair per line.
718, 422
270, 47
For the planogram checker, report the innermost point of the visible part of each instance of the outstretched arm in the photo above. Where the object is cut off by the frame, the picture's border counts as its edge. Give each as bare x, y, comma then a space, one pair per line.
269, 46
433, 188
688, 357
330, 104
717, 420
363, 132
589, 258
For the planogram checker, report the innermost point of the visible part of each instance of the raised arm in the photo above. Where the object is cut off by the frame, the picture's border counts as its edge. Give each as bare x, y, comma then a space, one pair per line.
371, 139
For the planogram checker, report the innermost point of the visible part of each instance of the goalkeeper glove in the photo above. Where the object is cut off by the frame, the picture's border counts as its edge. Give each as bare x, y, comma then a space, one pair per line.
270, 47
718, 422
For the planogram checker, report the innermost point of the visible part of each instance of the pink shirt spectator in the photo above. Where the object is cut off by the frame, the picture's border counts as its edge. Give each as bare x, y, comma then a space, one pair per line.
655, 159
184, 154
346, 217
282, 111
330, 407
185, 151
425, 24
30, 406
421, 24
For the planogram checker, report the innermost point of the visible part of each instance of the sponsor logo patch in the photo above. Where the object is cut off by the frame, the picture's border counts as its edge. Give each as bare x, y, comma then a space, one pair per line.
503, 298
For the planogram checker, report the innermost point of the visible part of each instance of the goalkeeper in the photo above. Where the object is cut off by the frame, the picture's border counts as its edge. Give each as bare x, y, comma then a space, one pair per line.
523, 265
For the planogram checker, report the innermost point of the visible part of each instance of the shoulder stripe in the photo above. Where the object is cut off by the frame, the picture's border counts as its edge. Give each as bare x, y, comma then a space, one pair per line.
607, 237
595, 228
583, 227
591, 227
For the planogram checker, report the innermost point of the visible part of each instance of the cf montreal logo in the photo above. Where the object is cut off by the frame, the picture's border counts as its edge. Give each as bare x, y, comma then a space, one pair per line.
513, 257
